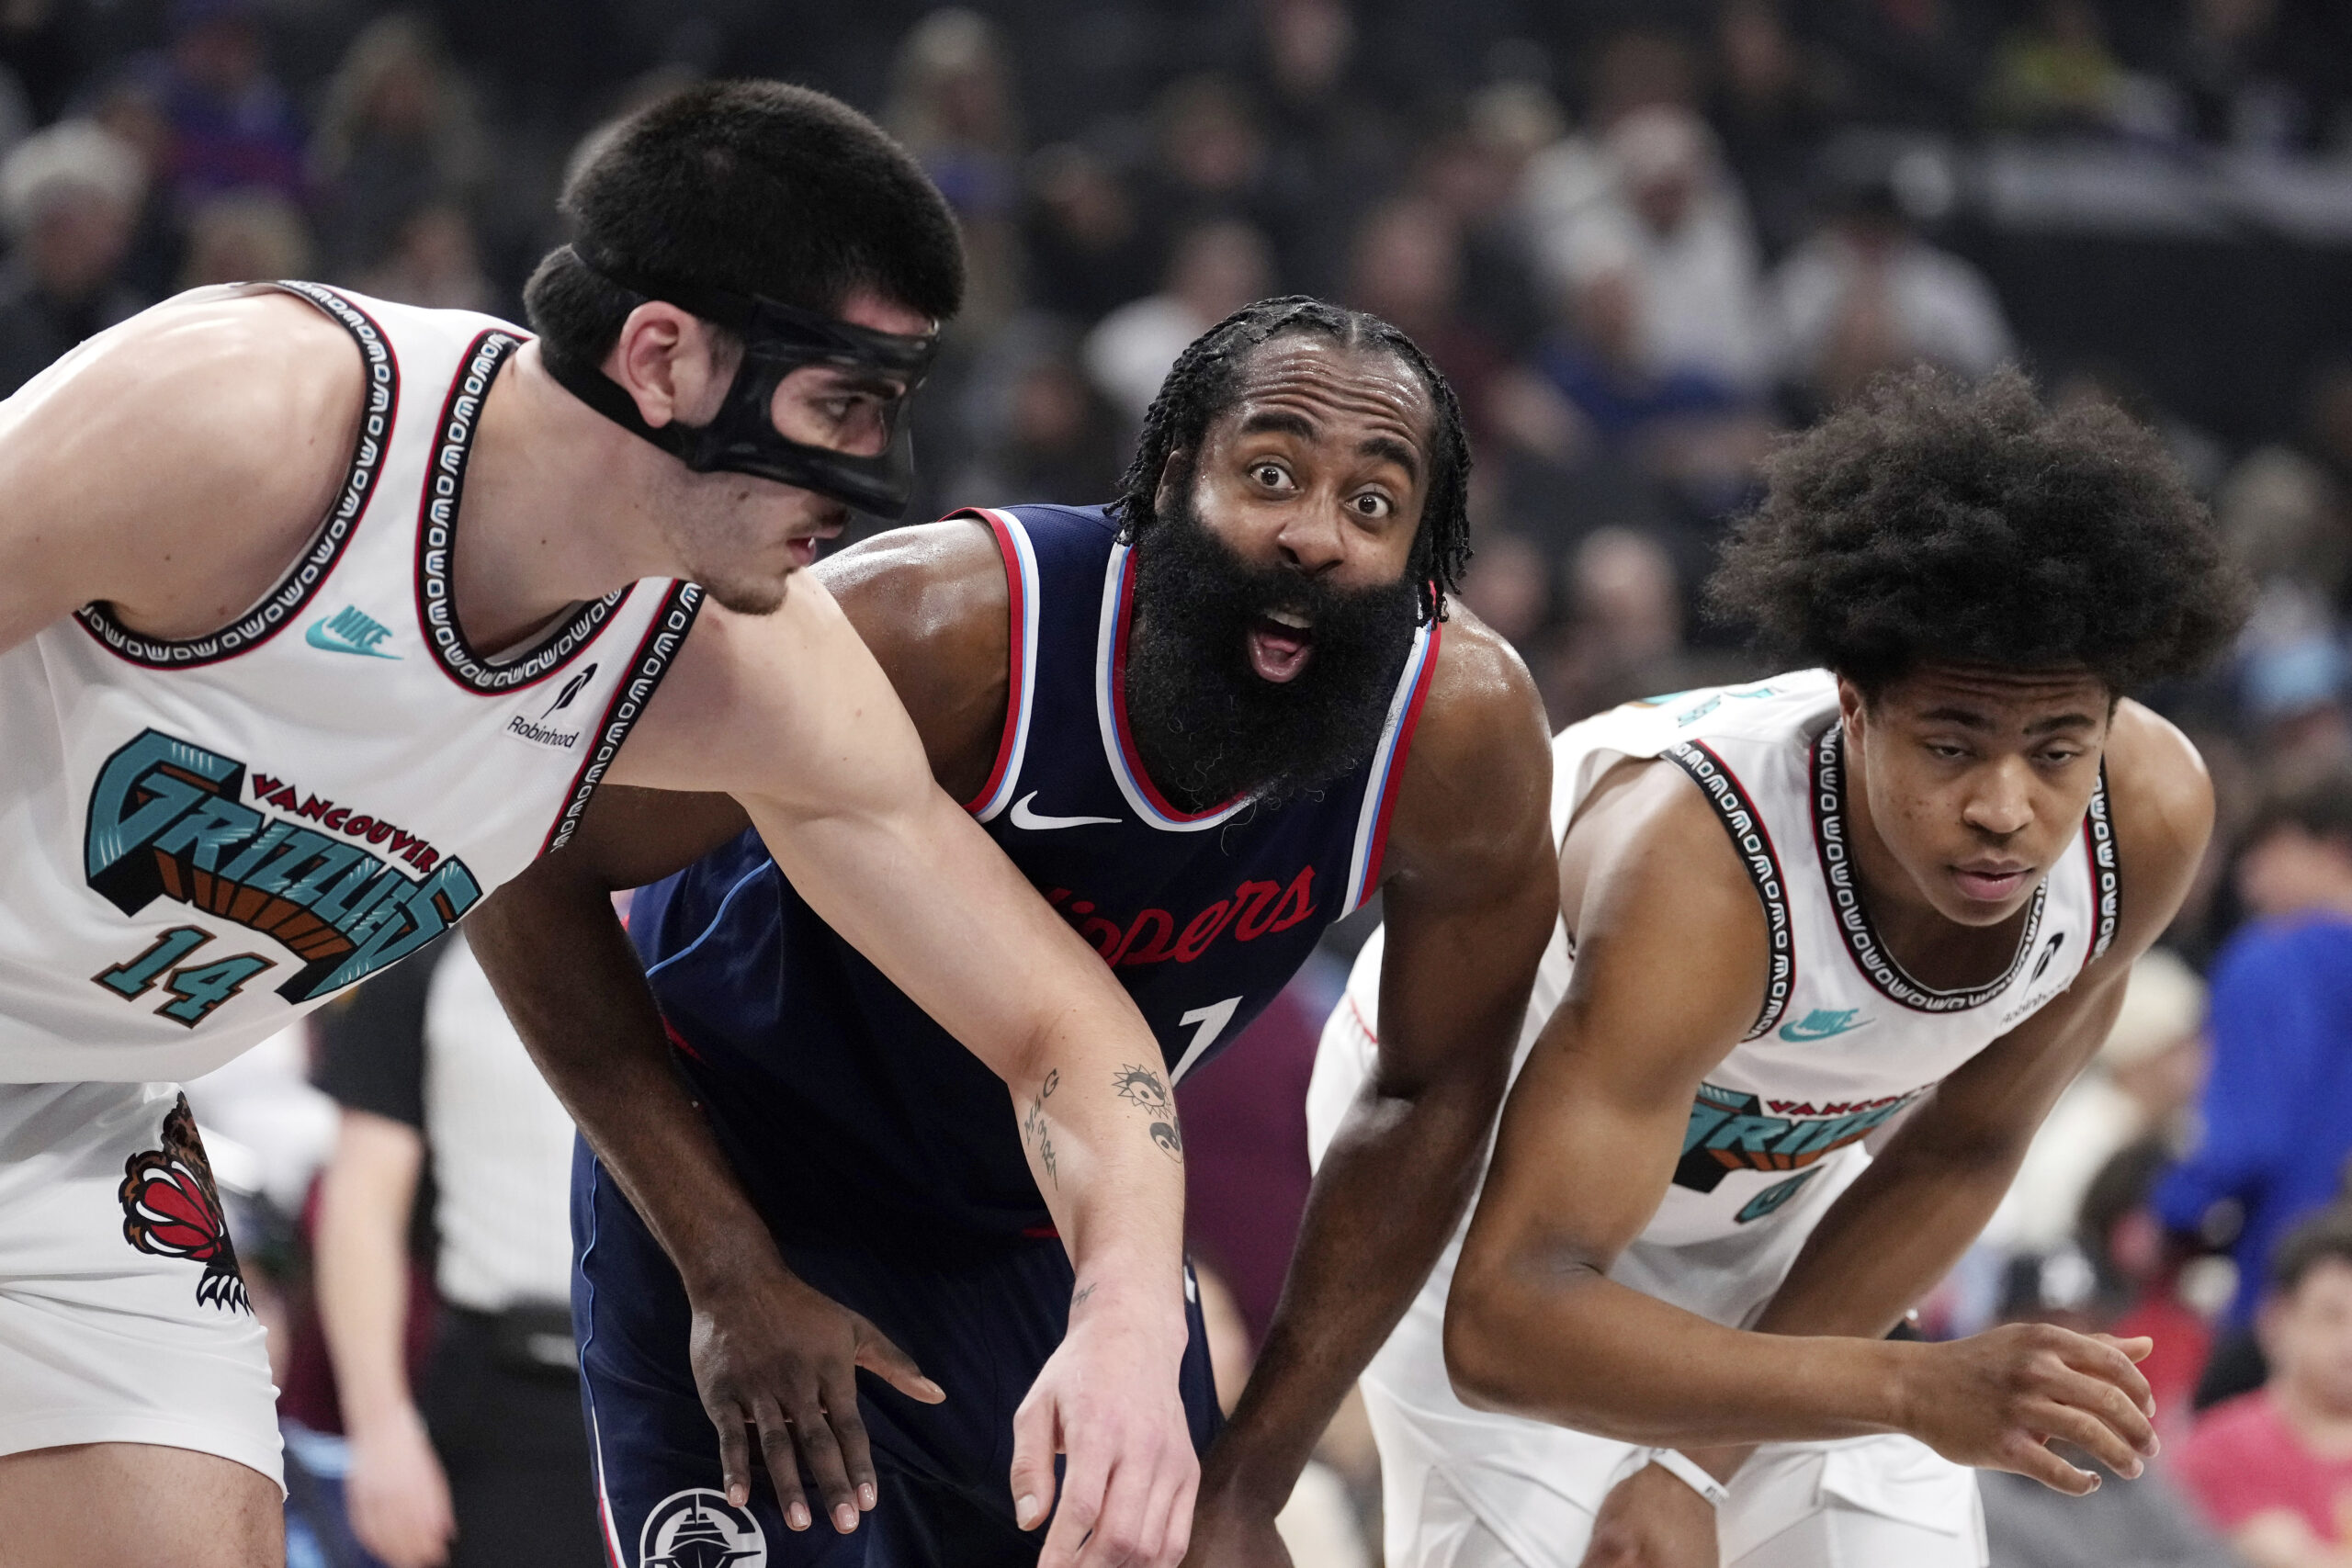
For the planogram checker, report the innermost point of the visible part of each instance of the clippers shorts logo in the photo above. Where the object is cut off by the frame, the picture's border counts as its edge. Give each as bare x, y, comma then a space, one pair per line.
700, 1528
171, 1209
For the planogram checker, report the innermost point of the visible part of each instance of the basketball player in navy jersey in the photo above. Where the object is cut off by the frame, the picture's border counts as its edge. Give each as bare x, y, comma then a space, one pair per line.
1895, 898
321, 616
1205, 723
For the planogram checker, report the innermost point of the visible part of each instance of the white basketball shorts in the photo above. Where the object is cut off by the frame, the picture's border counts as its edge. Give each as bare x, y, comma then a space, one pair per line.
123, 1318
1496, 1492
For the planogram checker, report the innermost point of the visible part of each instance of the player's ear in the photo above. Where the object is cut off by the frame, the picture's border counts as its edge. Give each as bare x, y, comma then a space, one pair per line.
1178, 463
1851, 705
665, 360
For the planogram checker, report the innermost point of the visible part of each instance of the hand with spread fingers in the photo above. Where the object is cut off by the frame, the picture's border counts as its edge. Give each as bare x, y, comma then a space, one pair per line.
778, 1359
1995, 1400
1109, 1400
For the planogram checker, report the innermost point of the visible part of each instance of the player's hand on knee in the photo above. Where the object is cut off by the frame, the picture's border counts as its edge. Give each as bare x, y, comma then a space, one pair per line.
1109, 1400
1998, 1399
779, 1361
397, 1494
1653, 1519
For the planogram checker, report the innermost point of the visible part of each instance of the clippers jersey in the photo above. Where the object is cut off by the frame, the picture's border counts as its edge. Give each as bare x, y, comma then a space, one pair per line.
202, 838
822, 1079
1845, 1041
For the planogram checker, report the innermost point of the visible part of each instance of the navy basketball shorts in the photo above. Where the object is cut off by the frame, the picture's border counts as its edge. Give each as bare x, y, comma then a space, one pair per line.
981, 1324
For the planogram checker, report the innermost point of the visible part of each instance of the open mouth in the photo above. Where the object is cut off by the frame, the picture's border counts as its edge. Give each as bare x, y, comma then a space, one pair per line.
1281, 642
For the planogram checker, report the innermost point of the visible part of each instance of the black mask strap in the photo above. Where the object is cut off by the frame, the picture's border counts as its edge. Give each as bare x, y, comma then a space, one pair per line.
777, 339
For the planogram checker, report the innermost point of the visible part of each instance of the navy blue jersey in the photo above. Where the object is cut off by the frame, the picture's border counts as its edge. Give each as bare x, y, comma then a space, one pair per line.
840, 1101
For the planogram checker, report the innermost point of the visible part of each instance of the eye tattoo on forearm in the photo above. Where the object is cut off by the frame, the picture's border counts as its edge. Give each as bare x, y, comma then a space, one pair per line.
1033, 1125
1141, 1088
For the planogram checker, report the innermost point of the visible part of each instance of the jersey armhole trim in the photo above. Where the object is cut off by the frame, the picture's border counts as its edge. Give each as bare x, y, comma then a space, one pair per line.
1020, 664
673, 618
276, 609
1752, 840
1387, 772
2106, 871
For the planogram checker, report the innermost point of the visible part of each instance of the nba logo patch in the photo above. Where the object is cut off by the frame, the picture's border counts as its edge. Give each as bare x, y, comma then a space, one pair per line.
700, 1528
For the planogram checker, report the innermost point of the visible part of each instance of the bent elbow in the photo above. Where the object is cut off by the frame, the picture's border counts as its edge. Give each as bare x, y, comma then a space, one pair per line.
1477, 1357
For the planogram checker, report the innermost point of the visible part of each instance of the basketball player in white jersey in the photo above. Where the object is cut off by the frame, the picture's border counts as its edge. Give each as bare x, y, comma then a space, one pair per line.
1886, 903
319, 618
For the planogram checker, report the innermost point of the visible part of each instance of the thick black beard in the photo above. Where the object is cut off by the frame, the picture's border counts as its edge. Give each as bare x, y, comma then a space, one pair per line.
1208, 728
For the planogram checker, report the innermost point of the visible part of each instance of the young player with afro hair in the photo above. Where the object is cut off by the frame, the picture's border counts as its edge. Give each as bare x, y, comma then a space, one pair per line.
1830, 946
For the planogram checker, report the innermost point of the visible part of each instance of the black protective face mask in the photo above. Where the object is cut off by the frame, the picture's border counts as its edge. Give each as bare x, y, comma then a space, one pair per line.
777, 339
1209, 727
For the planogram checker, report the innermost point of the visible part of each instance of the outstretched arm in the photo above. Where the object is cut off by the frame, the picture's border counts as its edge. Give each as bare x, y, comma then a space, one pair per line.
792, 715
1469, 905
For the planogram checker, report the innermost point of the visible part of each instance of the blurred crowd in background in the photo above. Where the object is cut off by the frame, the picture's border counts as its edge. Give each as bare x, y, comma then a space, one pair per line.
1643, 240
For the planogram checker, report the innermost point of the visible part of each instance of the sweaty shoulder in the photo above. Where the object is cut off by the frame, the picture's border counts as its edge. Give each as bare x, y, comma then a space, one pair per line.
176, 464
1477, 783
932, 604
2161, 800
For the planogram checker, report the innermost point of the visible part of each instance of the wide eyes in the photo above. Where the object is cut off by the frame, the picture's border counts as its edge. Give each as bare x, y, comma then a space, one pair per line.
1269, 475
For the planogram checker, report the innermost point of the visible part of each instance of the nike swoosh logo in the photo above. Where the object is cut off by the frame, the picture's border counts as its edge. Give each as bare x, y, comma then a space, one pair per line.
319, 636
1024, 817
1806, 1032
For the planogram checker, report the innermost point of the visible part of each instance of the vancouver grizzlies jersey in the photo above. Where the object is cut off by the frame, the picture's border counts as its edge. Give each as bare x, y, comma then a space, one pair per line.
823, 1081
1845, 1040
202, 839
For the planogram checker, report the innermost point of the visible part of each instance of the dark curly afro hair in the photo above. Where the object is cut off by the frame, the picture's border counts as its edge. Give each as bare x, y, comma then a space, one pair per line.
1934, 521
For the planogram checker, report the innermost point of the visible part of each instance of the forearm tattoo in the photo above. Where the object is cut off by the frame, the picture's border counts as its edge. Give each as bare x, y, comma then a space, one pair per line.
1034, 1129
1142, 1089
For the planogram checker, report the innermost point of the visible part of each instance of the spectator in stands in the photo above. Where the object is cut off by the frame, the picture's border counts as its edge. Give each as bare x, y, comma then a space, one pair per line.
1407, 269
243, 236
398, 135
1472, 170
952, 105
486, 1466
1773, 104
1671, 214
1088, 248
2233, 64
1215, 269
233, 125
2056, 74
69, 195
1913, 63
2277, 1108
1038, 429
1624, 627
1210, 161
1333, 148
1868, 293
2274, 1468
434, 262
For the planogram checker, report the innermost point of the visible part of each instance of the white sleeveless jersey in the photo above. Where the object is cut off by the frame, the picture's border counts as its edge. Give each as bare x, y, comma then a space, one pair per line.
200, 840
1845, 1041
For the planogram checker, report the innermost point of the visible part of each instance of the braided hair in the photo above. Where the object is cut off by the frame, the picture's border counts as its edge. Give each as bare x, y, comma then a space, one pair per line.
1202, 384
